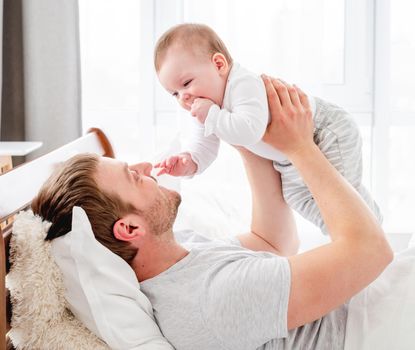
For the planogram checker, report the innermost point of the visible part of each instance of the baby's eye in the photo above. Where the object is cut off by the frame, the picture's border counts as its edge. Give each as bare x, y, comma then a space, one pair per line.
175, 94
187, 82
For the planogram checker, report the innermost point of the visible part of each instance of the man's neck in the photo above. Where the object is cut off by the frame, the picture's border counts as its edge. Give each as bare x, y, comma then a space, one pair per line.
156, 255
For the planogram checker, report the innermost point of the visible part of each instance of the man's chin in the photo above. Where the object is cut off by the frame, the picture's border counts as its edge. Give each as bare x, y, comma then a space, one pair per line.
174, 197
177, 198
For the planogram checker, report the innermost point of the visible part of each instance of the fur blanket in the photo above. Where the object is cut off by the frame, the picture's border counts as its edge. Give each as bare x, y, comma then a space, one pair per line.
41, 319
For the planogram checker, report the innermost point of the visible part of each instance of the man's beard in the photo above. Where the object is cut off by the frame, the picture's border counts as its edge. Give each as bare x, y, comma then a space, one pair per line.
161, 215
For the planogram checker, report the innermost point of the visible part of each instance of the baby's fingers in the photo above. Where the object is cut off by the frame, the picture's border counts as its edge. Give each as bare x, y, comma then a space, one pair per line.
161, 164
165, 166
162, 171
171, 164
171, 161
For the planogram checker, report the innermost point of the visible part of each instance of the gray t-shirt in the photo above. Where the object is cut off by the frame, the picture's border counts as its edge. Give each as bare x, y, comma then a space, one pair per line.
223, 296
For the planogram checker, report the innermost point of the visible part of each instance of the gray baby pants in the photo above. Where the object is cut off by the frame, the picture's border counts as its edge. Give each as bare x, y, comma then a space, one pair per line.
338, 137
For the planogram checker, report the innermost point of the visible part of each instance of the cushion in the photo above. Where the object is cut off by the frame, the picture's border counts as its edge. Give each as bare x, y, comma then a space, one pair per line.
41, 319
102, 290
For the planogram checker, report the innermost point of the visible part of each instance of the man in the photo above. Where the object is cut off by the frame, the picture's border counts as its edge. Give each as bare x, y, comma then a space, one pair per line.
222, 296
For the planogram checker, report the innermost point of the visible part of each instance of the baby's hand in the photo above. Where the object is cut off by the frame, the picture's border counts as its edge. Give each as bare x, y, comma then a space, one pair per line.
200, 109
179, 165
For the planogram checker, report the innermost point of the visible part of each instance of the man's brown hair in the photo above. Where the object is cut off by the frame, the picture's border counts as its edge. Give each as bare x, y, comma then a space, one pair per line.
73, 184
193, 36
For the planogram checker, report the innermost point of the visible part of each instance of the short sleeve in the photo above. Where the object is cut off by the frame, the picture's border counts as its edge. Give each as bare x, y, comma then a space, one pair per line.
246, 301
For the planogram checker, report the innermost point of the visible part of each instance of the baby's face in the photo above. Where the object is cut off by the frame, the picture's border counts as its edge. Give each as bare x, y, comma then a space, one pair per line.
188, 76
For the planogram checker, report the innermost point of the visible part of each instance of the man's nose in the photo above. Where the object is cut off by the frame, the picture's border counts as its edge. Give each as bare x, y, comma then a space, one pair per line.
147, 167
143, 168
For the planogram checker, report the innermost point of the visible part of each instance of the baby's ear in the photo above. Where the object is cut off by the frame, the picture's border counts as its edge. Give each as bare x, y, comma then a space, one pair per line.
220, 62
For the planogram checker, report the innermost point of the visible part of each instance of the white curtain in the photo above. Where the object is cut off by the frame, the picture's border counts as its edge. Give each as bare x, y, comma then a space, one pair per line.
41, 98
1, 54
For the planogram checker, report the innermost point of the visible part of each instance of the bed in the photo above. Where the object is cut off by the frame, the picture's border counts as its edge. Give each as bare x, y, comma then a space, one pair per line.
16, 194
382, 316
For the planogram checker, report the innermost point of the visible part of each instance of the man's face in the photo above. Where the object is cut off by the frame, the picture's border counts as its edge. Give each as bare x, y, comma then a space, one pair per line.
134, 184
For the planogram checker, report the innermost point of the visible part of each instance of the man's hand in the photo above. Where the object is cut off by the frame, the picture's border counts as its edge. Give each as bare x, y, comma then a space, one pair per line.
291, 127
178, 165
200, 109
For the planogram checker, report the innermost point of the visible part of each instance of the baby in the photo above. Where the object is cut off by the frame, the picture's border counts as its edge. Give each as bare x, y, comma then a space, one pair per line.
229, 103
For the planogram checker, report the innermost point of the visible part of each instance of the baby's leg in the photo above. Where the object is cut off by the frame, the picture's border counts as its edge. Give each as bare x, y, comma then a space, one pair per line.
338, 137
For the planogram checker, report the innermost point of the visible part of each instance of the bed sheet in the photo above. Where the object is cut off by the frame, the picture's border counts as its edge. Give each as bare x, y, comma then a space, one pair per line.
382, 316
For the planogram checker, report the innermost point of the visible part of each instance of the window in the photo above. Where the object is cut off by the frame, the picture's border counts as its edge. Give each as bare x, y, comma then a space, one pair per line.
317, 44
114, 68
355, 53
394, 127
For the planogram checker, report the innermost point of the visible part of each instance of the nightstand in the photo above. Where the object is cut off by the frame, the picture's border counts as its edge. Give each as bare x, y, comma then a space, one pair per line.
7, 151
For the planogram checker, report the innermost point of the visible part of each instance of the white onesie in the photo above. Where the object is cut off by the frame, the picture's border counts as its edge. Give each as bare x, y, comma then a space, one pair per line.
243, 119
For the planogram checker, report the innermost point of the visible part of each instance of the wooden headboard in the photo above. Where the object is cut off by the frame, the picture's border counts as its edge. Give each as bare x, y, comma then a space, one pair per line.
17, 188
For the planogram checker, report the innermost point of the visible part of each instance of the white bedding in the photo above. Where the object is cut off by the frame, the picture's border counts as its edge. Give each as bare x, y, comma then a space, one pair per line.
382, 316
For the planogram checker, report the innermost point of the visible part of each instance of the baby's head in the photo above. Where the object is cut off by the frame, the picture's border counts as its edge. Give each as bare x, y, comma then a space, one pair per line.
191, 61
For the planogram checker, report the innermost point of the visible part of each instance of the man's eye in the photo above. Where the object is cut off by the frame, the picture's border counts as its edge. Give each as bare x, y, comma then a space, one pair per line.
187, 82
136, 175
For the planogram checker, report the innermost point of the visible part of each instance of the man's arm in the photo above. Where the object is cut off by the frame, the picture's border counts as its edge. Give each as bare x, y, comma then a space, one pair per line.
326, 277
273, 226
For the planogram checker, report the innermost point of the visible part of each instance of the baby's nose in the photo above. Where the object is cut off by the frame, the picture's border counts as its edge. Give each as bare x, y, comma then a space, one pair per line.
185, 97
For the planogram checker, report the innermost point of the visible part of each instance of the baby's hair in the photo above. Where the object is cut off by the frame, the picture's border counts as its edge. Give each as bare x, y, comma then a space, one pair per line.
191, 36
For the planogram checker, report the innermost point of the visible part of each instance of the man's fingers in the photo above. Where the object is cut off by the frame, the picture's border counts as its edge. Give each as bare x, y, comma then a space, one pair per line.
294, 96
274, 102
303, 97
282, 92
293, 93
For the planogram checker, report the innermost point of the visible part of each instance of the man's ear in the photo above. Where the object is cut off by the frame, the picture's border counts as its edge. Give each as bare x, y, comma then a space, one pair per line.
220, 62
127, 229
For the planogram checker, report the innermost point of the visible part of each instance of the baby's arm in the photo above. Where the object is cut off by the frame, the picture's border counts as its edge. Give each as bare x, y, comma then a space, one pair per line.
178, 165
203, 149
245, 122
199, 153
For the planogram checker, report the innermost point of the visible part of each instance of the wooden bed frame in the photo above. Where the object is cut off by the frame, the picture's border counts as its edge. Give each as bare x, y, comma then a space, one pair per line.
17, 188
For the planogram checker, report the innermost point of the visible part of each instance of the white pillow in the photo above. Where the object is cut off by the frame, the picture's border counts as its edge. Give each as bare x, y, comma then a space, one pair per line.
102, 290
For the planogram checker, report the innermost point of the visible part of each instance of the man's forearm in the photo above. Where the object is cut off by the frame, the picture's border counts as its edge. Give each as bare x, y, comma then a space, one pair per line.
272, 219
343, 210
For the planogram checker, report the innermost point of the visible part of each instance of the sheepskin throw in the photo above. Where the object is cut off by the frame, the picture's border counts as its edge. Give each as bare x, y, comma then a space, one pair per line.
40, 317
